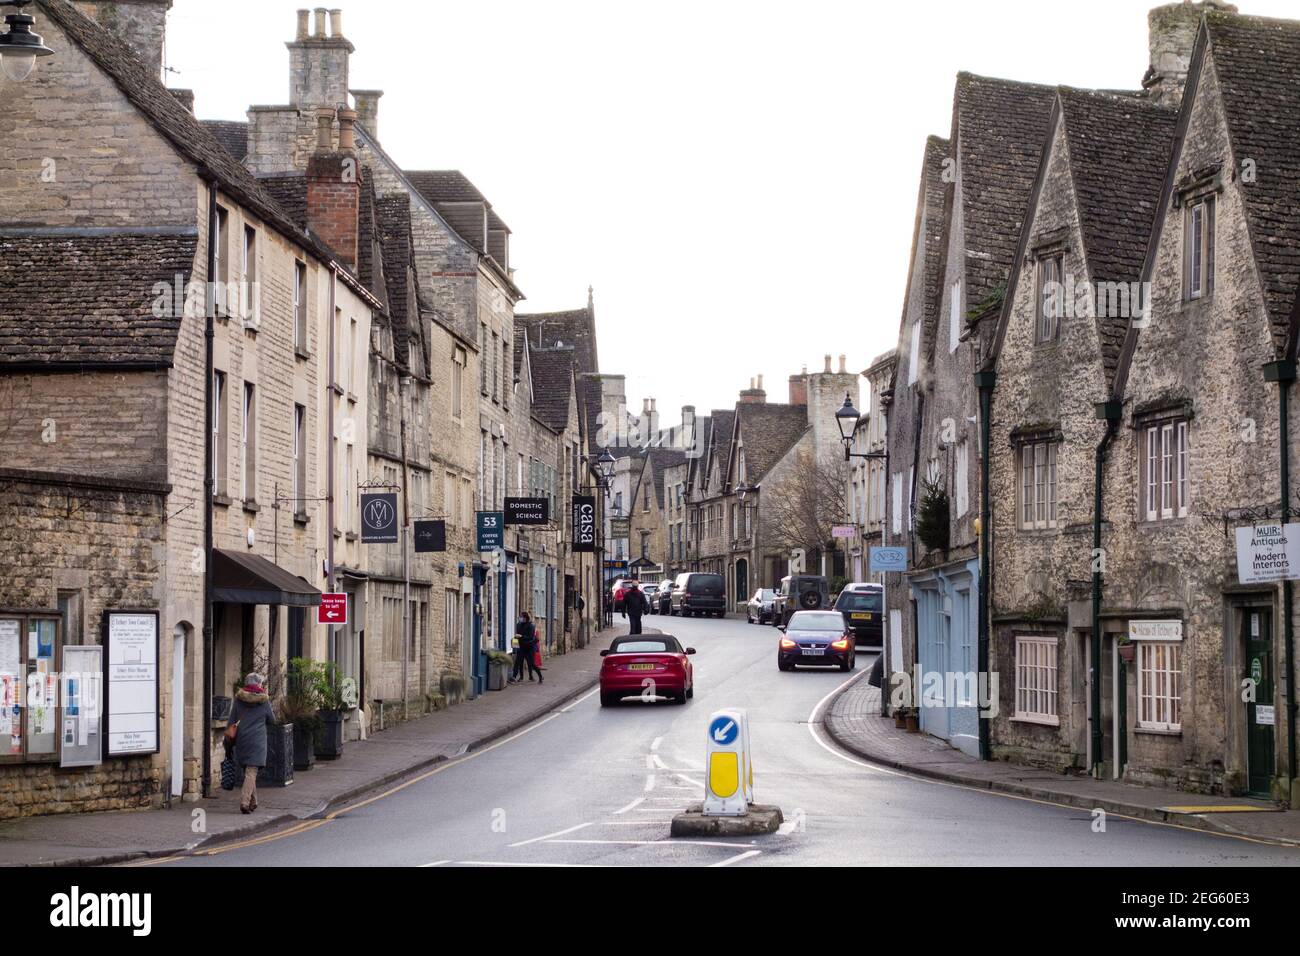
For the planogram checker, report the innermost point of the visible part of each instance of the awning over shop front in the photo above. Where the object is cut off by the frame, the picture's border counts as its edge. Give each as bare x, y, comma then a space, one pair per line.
248, 579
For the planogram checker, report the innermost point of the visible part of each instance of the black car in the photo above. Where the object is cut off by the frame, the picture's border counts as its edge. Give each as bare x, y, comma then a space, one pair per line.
802, 592
863, 608
699, 593
665, 597
817, 638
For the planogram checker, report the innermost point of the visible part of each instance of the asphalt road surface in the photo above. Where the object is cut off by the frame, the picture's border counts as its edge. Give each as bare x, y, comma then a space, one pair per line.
597, 786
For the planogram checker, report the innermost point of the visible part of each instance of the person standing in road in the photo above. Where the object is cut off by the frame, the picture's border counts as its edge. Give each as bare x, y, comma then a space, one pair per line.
248, 719
634, 605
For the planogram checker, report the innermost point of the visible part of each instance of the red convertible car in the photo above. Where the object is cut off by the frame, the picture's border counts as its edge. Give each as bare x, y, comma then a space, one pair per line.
641, 663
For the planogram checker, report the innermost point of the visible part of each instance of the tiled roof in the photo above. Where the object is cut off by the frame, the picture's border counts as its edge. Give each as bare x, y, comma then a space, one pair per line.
590, 395
289, 190
1258, 64
393, 229
191, 138
722, 423
450, 186
233, 136
1000, 126
89, 300
1119, 149
576, 328
659, 460
767, 433
552, 371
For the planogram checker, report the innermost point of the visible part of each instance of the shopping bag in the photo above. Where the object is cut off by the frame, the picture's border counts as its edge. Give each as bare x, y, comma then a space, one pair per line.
537, 658
229, 774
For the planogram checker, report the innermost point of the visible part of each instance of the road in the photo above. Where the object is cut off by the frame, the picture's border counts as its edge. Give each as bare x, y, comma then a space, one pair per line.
596, 786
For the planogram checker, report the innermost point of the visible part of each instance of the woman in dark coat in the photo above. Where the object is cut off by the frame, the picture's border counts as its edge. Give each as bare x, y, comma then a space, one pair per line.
250, 714
526, 632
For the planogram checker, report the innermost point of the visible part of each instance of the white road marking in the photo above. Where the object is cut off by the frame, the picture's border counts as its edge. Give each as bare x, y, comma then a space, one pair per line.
649, 782
580, 826
813, 719
729, 846
503, 863
657, 742
435, 863
635, 803
737, 858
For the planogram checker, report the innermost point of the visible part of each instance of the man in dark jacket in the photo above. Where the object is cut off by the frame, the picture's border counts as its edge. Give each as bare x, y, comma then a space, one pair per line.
526, 634
634, 605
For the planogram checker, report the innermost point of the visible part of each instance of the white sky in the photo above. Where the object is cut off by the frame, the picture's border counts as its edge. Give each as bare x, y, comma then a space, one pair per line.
738, 180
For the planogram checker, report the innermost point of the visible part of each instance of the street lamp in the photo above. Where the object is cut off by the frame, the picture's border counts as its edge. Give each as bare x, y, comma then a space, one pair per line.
847, 418
20, 47
605, 466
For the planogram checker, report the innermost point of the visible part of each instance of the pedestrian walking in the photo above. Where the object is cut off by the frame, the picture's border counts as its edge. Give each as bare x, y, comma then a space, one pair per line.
526, 652
245, 737
634, 605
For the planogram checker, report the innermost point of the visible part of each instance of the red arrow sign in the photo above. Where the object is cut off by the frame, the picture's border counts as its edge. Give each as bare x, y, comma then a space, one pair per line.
333, 609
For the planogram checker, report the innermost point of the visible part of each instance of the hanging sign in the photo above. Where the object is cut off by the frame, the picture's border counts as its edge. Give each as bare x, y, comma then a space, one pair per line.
430, 536
491, 532
1268, 552
130, 683
379, 518
528, 511
584, 524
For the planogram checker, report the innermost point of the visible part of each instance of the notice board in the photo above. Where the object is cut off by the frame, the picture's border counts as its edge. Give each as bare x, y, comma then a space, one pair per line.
82, 727
130, 683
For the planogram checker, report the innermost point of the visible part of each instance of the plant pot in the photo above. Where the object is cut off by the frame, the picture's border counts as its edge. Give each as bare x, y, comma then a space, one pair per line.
913, 724
330, 745
1128, 653
304, 747
278, 771
496, 676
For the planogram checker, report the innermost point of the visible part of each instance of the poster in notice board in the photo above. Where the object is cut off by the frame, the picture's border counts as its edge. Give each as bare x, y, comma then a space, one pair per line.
130, 683
83, 675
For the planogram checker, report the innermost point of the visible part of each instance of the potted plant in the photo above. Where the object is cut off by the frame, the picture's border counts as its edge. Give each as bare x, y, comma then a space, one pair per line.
331, 699
299, 706
907, 718
499, 664
1127, 649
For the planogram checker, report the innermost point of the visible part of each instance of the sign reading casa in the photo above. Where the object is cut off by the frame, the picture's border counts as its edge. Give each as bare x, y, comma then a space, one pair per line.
584, 523
1268, 552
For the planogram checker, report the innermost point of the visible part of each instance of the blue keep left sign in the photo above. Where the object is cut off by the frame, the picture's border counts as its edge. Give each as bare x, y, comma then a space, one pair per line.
723, 730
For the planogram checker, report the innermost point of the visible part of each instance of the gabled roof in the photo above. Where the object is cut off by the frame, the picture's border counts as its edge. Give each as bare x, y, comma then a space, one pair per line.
451, 187
928, 234
232, 135
191, 138
552, 385
1258, 65
722, 424
1119, 150
575, 328
658, 461
999, 127
392, 224
70, 301
767, 432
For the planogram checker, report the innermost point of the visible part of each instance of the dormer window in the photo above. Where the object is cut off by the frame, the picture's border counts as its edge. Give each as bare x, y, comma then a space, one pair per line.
1198, 248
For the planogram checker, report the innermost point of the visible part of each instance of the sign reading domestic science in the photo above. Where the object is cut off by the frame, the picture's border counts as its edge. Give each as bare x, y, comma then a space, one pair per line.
528, 511
1268, 552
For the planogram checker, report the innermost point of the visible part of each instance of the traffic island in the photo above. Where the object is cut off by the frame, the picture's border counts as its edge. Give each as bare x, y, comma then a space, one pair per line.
756, 820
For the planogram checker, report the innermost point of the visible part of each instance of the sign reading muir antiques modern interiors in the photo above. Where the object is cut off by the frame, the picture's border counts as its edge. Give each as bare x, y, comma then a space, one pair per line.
491, 530
379, 518
584, 524
430, 536
528, 511
131, 682
1268, 552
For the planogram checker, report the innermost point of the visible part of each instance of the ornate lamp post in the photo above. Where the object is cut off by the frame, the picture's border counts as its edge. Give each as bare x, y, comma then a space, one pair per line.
20, 47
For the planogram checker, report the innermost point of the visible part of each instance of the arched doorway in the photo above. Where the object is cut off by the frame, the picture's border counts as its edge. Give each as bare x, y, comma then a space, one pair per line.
742, 581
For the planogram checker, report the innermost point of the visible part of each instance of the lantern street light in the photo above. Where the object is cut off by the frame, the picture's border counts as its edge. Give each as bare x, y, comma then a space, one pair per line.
20, 47
847, 418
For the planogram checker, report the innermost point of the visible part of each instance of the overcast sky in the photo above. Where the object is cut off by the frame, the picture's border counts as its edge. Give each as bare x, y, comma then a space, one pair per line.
737, 180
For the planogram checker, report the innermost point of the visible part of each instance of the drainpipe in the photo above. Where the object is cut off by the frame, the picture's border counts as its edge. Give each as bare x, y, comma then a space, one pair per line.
1284, 373
209, 485
984, 381
330, 385
1110, 412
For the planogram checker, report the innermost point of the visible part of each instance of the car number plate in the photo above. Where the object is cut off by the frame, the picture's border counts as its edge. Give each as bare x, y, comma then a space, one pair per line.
640, 667
861, 617
814, 651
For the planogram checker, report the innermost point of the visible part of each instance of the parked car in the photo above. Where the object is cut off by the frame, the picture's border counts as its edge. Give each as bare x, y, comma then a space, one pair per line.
802, 592
817, 638
637, 663
617, 590
700, 593
651, 592
762, 606
665, 598
863, 608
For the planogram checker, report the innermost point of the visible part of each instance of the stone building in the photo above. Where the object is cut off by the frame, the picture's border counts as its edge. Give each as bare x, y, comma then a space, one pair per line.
132, 205
866, 499
652, 509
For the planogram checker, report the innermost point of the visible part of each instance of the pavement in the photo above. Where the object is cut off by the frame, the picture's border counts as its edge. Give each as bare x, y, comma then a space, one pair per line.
853, 721
93, 839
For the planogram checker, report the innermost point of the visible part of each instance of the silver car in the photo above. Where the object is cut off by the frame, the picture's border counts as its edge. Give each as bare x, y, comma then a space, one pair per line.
761, 607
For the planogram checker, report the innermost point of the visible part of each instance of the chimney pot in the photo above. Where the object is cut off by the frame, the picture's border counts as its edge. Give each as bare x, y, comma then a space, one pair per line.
844, 367
336, 23
347, 130
303, 25
760, 381
324, 129
828, 363
320, 22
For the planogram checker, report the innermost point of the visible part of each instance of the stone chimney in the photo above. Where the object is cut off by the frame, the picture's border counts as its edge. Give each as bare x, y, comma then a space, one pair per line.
686, 439
367, 103
844, 365
799, 388
141, 24
754, 395
1172, 29
333, 187
318, 61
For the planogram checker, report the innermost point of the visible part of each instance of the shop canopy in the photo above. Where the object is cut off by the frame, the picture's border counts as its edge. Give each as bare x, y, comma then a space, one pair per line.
249, 579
